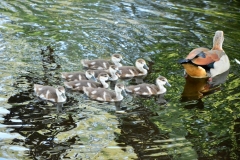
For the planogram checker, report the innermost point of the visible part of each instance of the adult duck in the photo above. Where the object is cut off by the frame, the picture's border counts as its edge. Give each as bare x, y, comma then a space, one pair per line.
202, 62
102, 63
54, 95
139, 71
78, 85
148, 90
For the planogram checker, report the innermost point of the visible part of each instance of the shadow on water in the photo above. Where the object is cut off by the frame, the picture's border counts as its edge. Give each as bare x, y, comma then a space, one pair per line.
36, 115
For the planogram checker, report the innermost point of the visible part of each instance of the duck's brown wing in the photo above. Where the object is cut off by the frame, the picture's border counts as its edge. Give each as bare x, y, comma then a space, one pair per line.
143, 89
195, 52
208, 57
128, 71
98, 64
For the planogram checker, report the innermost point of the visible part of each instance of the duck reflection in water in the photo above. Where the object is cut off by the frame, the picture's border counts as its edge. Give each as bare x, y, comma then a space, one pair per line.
197, 88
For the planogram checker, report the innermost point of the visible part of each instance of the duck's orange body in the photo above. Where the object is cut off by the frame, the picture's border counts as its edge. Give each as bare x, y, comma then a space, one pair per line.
195, 71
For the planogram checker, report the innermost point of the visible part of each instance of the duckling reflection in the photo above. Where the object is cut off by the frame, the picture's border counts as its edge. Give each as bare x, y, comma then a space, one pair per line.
197, 88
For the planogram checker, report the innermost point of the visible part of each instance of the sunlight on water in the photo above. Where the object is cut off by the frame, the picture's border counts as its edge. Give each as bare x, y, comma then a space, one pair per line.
40, 39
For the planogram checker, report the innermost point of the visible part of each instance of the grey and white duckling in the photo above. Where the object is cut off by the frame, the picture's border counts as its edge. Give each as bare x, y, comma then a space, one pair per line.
146, 89
105, 95
78, 75
102, 63
54, 95
113, 71
139, 71
78, 85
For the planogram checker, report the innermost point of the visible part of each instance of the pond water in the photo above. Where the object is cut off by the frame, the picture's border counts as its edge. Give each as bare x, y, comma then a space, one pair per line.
40, 39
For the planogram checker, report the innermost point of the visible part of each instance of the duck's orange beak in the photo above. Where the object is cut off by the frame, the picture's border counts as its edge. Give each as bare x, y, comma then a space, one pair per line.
195, 71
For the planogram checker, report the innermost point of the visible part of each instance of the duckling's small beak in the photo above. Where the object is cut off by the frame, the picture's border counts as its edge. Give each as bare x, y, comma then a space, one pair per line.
93, 78
145, 67
168, 84
124, 93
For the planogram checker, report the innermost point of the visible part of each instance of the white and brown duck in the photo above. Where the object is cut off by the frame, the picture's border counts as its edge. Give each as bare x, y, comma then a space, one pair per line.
147, 90
139, 71
78, 75
105, 95
102, 63
78, 85
54, 95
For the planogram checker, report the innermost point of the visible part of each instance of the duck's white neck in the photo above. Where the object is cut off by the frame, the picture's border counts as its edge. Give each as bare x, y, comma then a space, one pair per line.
119, 95
118, 64
60, 96
104, 83
161, 87
144, 71
114, 77
218, 41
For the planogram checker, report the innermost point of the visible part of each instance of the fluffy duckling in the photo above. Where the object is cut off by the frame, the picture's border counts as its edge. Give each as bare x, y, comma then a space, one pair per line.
102, 63
105, 95
51, 94
146, 89
78, 85
139, 71
77, 76
113, 70
202, 62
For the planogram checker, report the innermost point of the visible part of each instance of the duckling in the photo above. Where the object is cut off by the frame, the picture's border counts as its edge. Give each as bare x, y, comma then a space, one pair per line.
78, 85
113, 71
77, 76
139, 71
54, 95
146, 89
102, 63
105, 95
202, 62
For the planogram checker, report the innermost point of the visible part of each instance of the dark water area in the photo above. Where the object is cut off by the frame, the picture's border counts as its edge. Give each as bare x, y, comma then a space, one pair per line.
40, 39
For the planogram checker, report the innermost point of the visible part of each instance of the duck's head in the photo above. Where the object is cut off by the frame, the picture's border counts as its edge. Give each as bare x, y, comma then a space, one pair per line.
218, 40
116, 58
103, 77
114, 69
60, 91
162, 81
120, 88
141, 63
90, 75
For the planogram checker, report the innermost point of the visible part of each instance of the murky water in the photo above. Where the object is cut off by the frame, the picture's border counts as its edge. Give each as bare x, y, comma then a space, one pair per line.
40, 39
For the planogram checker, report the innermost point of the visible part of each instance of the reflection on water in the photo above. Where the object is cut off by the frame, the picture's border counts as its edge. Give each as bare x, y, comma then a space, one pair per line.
197, 88
200, 120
